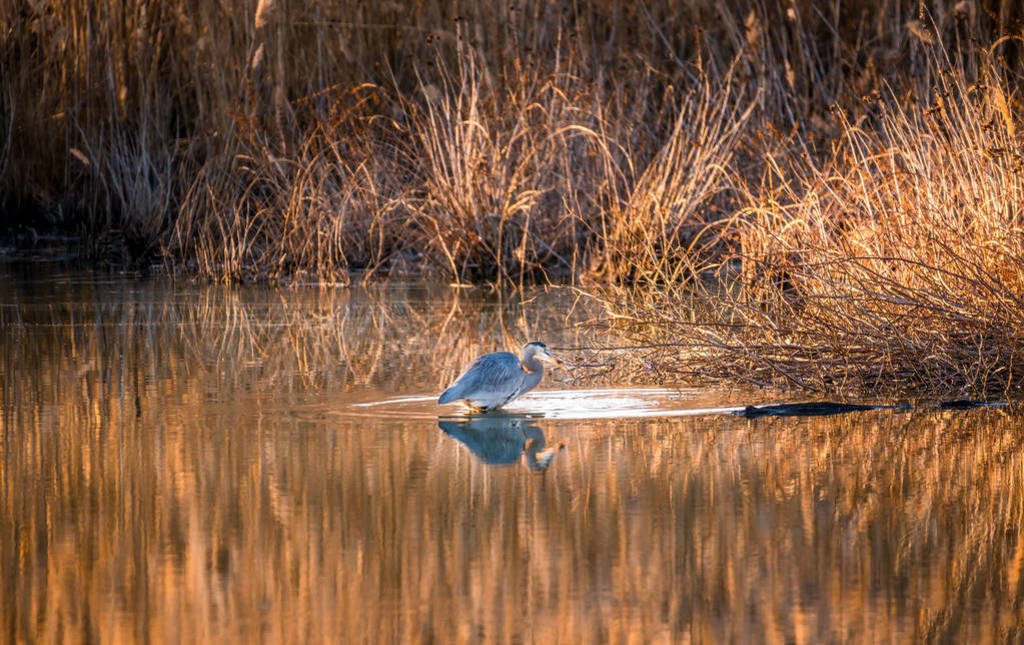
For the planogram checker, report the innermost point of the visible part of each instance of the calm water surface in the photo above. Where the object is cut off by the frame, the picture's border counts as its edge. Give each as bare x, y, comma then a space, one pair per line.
200, 463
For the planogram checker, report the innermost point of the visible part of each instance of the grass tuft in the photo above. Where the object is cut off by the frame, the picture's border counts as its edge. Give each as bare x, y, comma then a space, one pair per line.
892, 265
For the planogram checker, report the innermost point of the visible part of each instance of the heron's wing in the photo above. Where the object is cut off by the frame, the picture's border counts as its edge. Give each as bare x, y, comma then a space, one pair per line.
499, 374
526, 383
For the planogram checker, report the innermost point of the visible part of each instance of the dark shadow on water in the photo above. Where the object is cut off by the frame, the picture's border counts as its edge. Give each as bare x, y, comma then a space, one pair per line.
501, 439
813, 409
827, 408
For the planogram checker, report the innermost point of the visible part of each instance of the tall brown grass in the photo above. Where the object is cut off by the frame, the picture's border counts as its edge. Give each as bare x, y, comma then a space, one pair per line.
279, 139
846, 177
893, 263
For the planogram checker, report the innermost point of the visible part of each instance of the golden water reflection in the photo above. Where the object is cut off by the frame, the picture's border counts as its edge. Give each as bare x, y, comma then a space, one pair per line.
174, 467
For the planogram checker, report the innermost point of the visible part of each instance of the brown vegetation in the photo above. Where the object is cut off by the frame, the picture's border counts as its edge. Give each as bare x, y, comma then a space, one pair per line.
843, 182
893, 264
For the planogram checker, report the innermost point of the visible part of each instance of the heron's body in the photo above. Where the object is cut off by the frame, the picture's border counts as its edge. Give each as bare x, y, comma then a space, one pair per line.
495, 379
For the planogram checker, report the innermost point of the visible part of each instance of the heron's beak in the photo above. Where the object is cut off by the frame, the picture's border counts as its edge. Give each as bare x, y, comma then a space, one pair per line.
555, 359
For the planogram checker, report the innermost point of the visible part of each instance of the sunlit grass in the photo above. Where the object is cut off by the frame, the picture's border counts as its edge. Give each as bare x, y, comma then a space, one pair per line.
846, 178
895, 264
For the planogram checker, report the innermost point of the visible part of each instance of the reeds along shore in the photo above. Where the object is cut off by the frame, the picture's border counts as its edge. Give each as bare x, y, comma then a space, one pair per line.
842, 181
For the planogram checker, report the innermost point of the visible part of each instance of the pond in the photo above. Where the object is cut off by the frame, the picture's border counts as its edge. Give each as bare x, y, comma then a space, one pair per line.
199, 463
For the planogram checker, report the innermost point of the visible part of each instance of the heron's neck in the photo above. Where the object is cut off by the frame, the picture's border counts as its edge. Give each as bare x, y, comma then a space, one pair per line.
533, 365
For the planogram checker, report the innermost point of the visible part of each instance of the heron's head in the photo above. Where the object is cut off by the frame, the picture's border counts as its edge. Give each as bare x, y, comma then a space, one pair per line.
540, 350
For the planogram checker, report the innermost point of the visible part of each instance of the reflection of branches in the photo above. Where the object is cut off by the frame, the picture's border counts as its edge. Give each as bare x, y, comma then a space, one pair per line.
223, 339
137, 504
338, 338
852, 519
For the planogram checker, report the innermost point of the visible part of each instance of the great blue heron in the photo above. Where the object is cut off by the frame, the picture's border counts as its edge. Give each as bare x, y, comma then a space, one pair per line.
495, 379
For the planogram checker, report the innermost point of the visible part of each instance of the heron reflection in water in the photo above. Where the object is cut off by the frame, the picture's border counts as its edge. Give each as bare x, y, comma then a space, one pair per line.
503, 440
495, 379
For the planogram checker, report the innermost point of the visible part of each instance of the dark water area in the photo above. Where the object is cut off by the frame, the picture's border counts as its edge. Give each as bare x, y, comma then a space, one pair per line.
195, 463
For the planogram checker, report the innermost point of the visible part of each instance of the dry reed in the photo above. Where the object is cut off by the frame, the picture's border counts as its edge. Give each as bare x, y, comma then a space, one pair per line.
848, 174
894, 264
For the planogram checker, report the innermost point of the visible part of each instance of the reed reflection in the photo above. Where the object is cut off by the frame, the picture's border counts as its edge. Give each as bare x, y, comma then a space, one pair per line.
158, 484
232, 338
500, 439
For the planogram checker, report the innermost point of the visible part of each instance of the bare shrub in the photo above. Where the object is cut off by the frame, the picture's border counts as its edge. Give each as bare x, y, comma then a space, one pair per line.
894, 264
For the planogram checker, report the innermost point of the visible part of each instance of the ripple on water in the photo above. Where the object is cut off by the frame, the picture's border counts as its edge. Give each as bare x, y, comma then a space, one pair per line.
600, 403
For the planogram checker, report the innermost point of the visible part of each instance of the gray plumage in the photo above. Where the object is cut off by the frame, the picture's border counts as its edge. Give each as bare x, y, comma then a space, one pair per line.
495, 379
